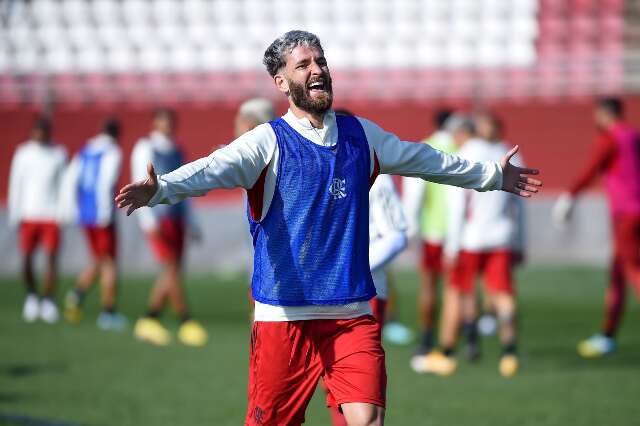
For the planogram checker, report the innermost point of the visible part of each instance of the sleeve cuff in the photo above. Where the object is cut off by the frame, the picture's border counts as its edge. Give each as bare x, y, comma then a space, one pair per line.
159, 196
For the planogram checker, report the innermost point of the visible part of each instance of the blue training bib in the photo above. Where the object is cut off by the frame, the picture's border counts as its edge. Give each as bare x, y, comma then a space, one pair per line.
312, 247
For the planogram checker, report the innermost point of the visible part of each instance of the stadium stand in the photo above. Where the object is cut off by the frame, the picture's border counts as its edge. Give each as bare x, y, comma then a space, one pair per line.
82, 50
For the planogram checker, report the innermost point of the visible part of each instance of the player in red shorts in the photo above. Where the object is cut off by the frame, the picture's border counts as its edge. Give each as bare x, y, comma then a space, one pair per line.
34, 182
616, 156
89, 185
166, 229
308, 176
484, 238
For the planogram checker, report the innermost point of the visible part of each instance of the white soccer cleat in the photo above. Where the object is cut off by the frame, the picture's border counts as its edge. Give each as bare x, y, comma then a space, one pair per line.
31, 308
596, 346
49, 311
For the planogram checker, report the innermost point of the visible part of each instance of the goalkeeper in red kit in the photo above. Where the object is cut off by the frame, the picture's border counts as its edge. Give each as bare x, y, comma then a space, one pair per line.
616, 156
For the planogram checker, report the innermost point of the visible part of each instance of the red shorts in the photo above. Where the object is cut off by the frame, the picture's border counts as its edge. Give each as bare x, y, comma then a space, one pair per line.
102, 240
494, 266
288, 358
432, 257
34, 233
167, 243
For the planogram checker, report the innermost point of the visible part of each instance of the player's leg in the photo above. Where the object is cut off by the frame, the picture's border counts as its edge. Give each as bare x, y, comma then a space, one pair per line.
603, 343
430, 272
28, 242
284, 369
469, 320
51, 242
628, 247
498, 278
149, 328
354, 368
363, 414
75, 297
109, 318
191, 332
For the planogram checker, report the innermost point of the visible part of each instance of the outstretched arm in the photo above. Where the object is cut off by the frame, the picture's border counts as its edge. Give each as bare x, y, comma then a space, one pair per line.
238, 164
423, 161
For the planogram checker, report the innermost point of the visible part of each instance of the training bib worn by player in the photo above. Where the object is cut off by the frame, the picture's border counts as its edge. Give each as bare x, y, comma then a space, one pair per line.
308, 176
89, 186
166, 228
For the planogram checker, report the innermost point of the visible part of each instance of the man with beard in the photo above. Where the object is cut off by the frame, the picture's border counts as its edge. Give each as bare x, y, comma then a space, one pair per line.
308, 175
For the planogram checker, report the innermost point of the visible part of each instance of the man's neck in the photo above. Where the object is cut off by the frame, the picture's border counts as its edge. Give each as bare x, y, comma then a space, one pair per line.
316, 119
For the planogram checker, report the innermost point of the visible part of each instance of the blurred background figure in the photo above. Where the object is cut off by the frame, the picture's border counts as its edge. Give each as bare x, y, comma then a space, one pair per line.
34, 182
426, 207
615, 156
252, 113
166, 227
484, 239
89, 190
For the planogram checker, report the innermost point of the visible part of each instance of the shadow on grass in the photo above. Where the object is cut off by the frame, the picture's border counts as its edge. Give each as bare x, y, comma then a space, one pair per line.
19, 419
26, 370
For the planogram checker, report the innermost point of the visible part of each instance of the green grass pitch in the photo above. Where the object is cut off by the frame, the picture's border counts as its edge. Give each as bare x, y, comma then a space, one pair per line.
79, 375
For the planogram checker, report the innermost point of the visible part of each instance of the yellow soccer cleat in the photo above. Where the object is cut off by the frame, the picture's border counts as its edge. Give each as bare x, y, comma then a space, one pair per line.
434, 362
508, 365
152, 331
192, 333
72, 310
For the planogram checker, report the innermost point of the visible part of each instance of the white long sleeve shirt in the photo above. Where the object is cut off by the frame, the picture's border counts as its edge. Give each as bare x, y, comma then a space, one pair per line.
241, 163
34, 182
104, 185
387, 230
483, 221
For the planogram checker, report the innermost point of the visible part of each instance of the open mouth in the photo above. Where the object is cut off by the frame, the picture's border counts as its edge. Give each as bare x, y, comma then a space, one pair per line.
316, 87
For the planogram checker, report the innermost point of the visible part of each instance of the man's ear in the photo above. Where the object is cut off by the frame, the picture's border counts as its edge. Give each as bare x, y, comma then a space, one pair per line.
281, 83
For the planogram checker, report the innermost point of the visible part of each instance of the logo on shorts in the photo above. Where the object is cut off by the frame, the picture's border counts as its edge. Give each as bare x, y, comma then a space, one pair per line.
338, 188
258, 414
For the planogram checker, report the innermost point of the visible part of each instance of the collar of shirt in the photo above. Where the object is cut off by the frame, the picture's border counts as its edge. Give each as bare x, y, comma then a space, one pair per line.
161, 141
100, 141
327, 136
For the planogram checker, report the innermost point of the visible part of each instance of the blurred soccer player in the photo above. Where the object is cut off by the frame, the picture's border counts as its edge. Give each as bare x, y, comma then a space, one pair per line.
484, 238
165, 227
308, 176
90, 184
425, 204
34, 184
616, 156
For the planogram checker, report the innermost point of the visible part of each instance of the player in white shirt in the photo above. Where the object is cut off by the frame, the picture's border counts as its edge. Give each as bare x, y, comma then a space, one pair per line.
34, 183
485, 238
308, 176
166, 229
89, 187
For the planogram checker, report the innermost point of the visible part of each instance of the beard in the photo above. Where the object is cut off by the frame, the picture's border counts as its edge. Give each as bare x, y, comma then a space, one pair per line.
301, 96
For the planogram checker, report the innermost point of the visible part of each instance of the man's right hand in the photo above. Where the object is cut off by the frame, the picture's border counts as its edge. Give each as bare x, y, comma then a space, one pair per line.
138, 194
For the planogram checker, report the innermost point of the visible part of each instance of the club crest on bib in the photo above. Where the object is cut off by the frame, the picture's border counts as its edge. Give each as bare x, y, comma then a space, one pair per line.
338, 188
